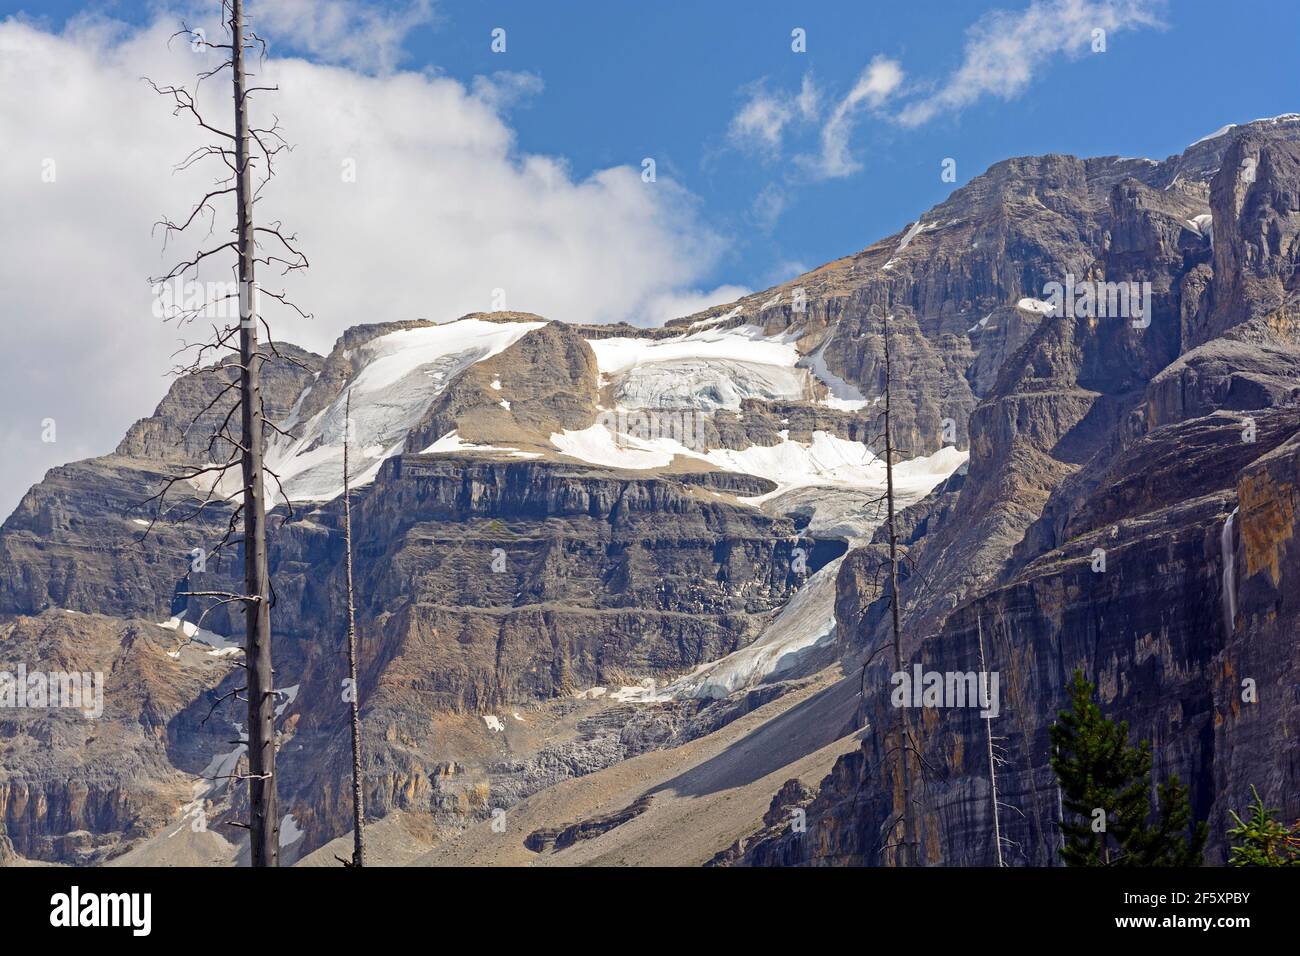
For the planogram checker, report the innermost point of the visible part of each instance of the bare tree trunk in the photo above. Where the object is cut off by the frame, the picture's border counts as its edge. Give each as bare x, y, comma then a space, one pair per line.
988, 736
907, 857
358, 798
264, 823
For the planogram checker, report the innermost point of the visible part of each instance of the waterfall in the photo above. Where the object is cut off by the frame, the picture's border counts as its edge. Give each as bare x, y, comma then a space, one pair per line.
1229, 575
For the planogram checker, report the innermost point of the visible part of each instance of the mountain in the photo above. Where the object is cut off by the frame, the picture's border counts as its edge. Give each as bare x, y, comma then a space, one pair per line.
620, 590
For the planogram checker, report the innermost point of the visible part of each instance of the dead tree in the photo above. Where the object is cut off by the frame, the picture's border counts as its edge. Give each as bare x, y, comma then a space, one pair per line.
908, 846
358, 798
905, 747
235, 347
993, 758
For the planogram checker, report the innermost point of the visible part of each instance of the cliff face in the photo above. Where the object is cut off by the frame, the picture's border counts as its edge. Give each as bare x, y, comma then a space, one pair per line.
528, 581
489, 583
71, 787
1154, 449
603, 581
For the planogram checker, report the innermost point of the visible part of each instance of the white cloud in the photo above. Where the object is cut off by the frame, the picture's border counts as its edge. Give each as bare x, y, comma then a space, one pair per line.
360, 35
881, 78
1005, 49
762, 120
784, 271
444, 210
675, 305
768, 206
505, 89
808, 102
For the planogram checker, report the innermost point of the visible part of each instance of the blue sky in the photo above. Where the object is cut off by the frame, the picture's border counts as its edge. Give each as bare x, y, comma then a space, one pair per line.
623, 81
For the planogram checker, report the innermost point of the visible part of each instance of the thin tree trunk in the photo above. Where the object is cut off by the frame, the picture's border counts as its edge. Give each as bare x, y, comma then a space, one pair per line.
908, 855
358, 798
264, 824
988, 736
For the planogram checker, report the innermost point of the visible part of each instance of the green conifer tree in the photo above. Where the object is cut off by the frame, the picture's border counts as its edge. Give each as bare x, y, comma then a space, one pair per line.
1105, 783
1264, 840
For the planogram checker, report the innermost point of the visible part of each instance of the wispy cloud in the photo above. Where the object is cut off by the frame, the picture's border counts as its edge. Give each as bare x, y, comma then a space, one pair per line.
767, 207
364, 36
506, 88
762, 120
675, 305
1006, 49
874, 86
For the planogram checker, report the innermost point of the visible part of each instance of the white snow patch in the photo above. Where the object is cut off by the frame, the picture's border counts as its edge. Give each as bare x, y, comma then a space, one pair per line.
827, 460
702, 323
806, 621
1204, 225
913, 231
216, 775
451, 442
401, 373
599, 446
1215, 135
642, 693
1274, 120
496, 384
493, 722
292, 420
290, 694
844, 395
981, 324
1036, 305
835, 462
290, 833
218, 646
